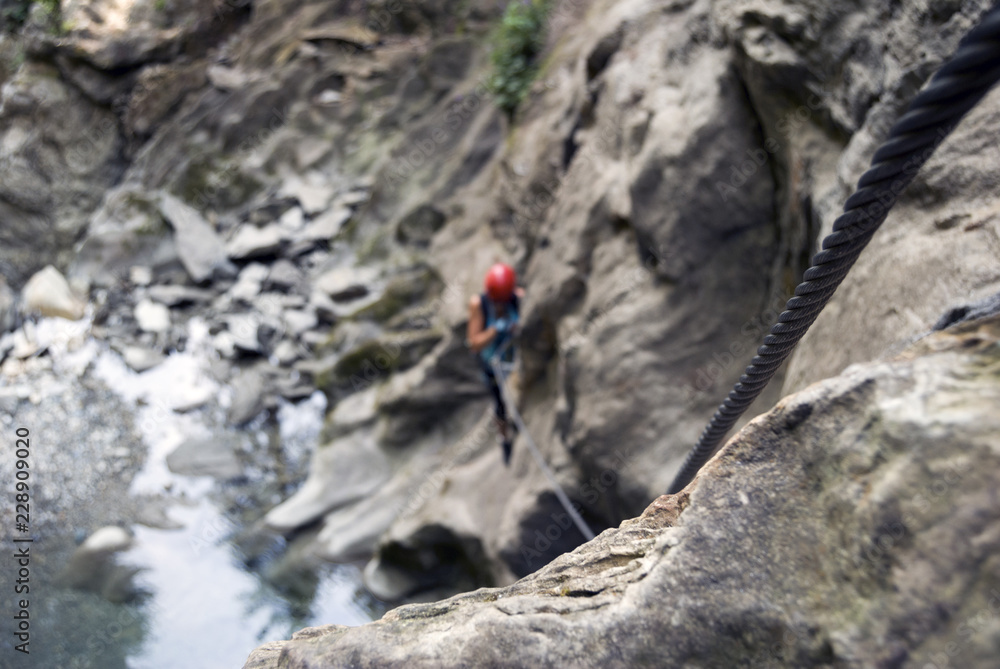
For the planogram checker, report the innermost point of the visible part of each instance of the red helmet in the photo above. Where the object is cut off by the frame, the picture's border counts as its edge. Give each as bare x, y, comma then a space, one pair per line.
500, 282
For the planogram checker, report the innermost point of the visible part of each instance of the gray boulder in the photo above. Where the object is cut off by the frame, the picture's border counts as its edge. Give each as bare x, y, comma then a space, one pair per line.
211, 456
126, 231
249, 391
47, 293
200, 248
140, 359
344, 284
253, 242
325, 226
152, 316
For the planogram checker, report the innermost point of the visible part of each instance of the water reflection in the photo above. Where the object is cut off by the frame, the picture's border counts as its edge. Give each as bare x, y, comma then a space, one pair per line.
212, 583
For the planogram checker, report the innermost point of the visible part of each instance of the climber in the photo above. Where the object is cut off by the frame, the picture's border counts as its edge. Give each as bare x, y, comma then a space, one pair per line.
493, 321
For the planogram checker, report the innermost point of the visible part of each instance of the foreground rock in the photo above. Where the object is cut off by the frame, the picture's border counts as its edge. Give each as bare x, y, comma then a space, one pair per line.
856, 524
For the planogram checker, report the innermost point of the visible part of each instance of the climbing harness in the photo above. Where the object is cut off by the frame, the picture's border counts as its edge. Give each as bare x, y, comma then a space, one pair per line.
932, 115
502, 370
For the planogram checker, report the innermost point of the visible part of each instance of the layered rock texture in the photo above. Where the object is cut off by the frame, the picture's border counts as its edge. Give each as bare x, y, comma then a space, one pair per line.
854, 525
315, 188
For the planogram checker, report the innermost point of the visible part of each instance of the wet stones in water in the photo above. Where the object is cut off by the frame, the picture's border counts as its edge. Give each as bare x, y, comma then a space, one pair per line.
93, 566
248, 397
9, 400
152, 316
211, 456
140, 359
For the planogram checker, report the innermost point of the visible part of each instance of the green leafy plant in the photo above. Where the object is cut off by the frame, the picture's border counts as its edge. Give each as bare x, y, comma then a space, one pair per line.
14, 14
516, 45
53, 12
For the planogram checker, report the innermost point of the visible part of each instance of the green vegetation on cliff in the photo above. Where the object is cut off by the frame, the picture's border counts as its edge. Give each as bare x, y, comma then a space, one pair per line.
13, 15
517, 43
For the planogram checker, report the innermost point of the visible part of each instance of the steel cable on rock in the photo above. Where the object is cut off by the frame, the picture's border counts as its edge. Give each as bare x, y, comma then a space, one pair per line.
953, 90
515, 415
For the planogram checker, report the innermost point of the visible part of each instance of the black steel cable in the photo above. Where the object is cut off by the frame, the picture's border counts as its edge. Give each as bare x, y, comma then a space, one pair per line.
953, 90
515, 415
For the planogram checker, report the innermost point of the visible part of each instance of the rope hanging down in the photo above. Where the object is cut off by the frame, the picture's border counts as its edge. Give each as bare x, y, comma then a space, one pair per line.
932, 115
508, 401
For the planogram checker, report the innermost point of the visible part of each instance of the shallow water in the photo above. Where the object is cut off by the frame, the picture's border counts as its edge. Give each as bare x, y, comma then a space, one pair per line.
207, 607
211, 582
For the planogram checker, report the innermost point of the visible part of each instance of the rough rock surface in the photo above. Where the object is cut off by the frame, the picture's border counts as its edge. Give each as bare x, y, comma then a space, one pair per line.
856, 524
659, 191
948, 219
660, 194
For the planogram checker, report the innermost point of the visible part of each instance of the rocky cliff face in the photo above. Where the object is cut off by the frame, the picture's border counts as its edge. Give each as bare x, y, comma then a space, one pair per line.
320, 186
854, 525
